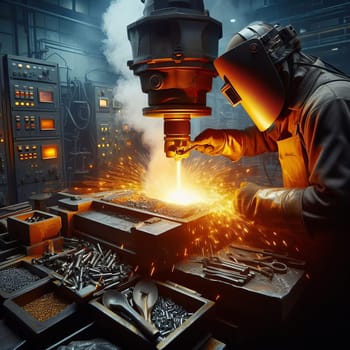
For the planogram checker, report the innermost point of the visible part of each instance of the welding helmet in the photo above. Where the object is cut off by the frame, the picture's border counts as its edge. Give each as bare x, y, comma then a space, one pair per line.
249, 68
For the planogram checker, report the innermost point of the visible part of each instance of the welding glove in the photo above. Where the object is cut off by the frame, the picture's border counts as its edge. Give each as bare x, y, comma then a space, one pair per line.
271, 207
228, 143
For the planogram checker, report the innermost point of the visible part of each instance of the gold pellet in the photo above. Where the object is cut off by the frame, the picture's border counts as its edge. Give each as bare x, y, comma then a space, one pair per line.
46, 307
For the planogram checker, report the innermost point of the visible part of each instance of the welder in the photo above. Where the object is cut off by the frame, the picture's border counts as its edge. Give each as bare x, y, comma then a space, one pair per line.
300, 107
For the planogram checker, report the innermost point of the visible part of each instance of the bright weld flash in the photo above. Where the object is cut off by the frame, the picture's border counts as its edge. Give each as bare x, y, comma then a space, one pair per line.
182, 195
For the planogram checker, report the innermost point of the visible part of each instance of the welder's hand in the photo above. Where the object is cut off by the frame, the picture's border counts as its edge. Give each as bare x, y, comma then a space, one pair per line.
210, 141
271, 207
226, 142
243, 198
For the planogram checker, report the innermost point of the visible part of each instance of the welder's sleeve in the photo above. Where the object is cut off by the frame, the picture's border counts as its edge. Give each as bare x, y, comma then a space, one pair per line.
326, 132
271, 207
321, 207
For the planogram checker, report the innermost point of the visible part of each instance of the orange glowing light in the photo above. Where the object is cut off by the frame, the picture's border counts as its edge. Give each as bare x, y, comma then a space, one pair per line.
170, 182
185, 252
49, 151
47, 124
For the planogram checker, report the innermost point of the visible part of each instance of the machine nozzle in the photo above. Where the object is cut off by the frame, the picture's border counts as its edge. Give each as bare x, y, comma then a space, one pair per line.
177, 129
174, 45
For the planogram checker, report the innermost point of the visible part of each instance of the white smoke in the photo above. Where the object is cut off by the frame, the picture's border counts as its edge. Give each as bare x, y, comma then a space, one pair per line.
128, 91
117, 50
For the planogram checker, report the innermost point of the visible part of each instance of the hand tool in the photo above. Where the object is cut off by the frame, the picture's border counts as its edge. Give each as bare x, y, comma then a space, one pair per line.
49, 257
117, 301
264, 270
274, 265
182, 150
220, 277
145, 295
221, 263
229, 273
289, 261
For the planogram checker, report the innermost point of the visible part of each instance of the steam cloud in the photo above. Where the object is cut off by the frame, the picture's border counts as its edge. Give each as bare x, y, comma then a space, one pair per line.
128, 90
117, 50
161, 170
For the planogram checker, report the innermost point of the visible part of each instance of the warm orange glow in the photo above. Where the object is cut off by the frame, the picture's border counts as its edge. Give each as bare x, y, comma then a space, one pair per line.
49, 151
46, 96
103, 102
175, 182
47, 124
196, 182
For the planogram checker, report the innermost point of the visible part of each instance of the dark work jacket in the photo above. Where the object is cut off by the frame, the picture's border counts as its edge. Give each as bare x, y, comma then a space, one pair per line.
318, 115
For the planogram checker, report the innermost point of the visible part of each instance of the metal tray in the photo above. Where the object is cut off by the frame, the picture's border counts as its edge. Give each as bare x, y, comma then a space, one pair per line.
33, 270
15, 313
184, 336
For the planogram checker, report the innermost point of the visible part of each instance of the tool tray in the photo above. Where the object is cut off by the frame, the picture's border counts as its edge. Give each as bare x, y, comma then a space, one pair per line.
89, 289
30, 232
185, 335
38, 273
19, 317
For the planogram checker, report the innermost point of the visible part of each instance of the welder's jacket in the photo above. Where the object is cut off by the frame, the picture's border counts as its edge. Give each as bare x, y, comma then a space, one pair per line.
312, 138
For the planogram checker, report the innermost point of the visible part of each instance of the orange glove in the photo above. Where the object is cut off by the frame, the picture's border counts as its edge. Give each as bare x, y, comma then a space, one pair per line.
210, 141
220, 142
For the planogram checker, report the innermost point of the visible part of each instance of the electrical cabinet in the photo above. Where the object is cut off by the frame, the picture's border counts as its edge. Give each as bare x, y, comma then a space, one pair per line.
31, 159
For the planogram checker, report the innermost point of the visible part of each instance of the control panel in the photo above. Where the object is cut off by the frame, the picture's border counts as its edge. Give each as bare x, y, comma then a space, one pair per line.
33, 96
36, 124
24, 68
108, 126
32, 127
37, 161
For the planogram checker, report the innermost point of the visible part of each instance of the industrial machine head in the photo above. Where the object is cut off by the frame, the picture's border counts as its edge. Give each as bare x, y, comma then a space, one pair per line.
174, 45
250, 66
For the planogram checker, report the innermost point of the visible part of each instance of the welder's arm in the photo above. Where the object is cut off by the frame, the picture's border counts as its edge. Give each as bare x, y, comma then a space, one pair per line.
321, 207
326, 131
272, 207
234, 144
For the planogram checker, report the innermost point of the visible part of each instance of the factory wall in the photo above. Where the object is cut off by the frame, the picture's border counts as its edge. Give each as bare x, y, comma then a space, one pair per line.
45, 30
67, 34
